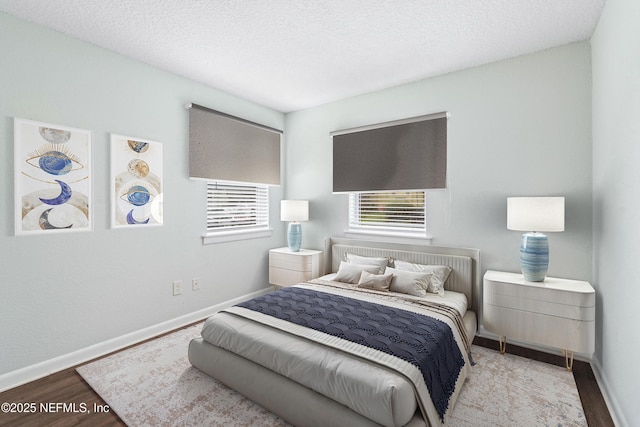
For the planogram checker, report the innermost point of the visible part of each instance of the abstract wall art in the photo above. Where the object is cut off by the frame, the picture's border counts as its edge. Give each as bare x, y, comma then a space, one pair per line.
52, 178
136, 182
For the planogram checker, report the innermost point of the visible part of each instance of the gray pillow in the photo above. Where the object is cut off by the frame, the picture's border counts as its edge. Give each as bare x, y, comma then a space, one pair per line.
409, 282
378, 282
350, 273
365, 260
440, 274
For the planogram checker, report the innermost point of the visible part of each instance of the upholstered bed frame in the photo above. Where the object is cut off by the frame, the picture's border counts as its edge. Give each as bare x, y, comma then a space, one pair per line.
465, 262
300, 405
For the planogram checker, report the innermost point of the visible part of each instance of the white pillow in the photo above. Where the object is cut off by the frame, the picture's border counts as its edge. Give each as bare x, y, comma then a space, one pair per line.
378, 282
350, 273
440, 274
409, 282
365, 260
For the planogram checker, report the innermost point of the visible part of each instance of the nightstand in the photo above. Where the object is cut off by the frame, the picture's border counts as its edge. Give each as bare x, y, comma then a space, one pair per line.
287, 268
556, 312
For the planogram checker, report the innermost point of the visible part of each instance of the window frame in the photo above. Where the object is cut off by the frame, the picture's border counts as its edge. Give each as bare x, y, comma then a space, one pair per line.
236, 230
357, 226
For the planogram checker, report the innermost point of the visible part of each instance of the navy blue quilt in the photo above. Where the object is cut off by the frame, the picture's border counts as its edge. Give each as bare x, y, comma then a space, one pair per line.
421, 340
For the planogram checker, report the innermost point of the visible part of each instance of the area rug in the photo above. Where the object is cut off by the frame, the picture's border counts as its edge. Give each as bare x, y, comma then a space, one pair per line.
153, 384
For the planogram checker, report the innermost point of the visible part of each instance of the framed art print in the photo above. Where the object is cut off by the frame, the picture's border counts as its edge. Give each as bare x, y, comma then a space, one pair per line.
52, 178
136, 182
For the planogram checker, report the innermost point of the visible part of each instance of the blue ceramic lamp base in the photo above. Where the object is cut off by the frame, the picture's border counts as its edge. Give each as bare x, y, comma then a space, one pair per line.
294, 236
534, 256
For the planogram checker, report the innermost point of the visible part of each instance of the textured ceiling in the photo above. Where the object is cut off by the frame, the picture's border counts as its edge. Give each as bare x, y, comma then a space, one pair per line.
290, 54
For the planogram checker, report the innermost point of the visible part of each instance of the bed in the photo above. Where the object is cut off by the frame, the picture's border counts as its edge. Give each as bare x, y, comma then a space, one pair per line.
321, 369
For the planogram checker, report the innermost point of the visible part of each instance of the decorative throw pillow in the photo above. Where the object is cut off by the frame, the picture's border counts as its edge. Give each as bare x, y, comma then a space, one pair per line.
409, 282
350, 273
440, 274
365, 260
378, 282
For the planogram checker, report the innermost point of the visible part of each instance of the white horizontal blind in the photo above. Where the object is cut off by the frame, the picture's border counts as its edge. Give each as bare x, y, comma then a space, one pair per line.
394, 212
236, 207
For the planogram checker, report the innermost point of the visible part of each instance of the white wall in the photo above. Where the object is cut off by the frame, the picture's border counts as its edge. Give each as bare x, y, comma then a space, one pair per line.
616, 189
61, 293
518, 127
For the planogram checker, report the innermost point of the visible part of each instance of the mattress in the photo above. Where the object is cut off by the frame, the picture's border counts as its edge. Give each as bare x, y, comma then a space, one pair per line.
372, 391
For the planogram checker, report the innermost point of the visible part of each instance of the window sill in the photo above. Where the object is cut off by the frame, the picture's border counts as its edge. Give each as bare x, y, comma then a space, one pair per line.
388, 234
232, 236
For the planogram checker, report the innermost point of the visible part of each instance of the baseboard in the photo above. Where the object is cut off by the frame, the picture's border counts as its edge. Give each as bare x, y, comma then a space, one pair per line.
609, 398
33, 372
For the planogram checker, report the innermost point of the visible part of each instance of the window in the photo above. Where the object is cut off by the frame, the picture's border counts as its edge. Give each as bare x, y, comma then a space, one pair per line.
236, 211
397, 212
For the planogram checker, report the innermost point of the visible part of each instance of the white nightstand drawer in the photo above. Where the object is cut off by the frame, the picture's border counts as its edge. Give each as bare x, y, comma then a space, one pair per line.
540, 306
553, 290
283, 277
559, 332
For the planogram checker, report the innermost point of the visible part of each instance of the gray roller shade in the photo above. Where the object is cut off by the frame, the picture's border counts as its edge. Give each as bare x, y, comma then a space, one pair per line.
227, 148
409, 154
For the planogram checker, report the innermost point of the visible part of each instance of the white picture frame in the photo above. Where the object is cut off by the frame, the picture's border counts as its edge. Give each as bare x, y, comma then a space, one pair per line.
52, 178
136, 182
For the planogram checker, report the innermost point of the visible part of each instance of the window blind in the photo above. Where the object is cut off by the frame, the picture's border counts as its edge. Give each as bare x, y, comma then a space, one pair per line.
236, 207
408, 154
393, 211
227, 148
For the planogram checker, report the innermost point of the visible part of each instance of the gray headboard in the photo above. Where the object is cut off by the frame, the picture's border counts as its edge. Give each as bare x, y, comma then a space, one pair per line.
465, 262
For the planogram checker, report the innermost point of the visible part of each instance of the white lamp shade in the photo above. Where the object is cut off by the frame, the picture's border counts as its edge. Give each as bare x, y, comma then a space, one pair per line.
535, 213
294, 210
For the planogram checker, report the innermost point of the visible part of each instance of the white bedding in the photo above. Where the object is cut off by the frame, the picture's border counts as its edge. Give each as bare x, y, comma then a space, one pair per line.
371, 390
453, 299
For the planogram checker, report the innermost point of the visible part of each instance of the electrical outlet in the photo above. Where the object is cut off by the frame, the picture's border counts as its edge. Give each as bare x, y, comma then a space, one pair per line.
177, 287
195, 284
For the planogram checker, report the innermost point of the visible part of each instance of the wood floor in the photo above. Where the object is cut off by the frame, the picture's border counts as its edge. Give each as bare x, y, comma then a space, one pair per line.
85, 408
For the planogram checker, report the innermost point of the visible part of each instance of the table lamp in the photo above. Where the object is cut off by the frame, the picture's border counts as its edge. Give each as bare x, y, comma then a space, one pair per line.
535, 215
294, 211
